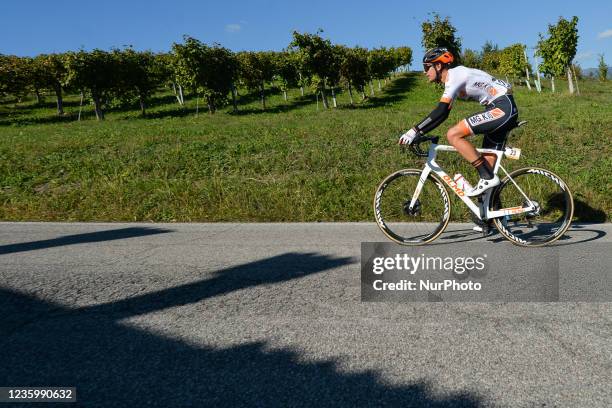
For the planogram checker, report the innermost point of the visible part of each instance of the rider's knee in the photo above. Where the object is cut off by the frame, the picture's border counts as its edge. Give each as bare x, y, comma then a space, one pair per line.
453, 135
458, 132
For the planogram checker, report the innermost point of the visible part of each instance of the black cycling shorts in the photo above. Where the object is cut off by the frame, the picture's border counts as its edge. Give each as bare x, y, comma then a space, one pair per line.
495, 122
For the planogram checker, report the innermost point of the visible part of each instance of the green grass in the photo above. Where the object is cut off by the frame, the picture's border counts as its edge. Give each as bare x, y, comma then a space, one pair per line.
290, 163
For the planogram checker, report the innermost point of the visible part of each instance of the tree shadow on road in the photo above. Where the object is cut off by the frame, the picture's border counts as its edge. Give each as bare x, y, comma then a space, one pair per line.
98, 236
114, 364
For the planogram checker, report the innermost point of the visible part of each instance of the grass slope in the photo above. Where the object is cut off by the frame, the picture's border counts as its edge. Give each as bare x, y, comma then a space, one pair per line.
289, 163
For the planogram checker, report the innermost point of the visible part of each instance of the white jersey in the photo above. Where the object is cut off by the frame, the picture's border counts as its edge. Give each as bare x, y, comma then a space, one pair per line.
469, 83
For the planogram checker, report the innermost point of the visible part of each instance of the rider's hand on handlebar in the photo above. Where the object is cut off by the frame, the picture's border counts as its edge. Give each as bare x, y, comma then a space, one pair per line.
409, 137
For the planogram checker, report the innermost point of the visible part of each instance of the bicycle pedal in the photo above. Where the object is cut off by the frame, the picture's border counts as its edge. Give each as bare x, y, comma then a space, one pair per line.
486, 227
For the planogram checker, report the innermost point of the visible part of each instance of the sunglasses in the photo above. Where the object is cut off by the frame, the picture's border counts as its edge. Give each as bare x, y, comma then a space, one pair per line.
426, 67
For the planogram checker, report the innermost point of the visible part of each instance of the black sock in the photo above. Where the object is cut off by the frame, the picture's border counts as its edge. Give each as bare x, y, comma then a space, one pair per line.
484, 170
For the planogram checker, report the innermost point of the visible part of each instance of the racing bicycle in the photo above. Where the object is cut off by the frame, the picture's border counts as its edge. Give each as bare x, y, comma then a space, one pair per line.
530, 207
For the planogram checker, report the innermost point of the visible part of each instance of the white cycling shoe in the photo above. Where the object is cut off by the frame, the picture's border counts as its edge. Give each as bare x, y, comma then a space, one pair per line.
482, 186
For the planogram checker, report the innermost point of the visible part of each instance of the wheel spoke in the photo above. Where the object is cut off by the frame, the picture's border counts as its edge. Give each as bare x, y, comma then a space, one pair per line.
553, 202
411, 225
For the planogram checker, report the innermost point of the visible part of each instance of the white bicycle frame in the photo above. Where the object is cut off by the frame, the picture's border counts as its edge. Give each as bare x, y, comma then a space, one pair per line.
481, 210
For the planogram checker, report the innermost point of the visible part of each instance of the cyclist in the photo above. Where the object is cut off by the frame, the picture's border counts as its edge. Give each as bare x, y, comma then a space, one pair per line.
500, 114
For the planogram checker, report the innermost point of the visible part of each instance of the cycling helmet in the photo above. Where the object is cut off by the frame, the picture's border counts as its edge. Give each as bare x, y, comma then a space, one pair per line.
441, 55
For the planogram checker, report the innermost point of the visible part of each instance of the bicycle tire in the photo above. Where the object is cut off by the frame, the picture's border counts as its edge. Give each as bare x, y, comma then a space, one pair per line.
519, 229
393, 217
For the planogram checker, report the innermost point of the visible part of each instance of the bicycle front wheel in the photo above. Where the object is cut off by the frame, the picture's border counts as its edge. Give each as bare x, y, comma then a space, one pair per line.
416, 225
554, 207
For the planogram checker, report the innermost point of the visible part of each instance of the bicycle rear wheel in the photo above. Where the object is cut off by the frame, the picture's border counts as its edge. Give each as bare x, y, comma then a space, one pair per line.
420, 224
553, 201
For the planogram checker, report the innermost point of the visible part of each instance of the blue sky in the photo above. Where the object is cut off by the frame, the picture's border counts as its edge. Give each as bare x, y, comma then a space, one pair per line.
41, 26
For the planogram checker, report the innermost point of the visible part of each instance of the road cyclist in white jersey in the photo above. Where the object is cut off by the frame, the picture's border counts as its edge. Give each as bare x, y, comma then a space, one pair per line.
499, 117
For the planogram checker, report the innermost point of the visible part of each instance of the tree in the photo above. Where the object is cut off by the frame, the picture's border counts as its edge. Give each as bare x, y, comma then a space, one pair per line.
577, 69
168, 63
441, 33
140, 74
471, 58
37, 76
380, 62
333, 72
206, 70
304, 76
512, 61
55, 75
220, 71
354, 69
187, 64
287, 71
602, 68
95, 72
403, 57
490, 57
4, 74
316, 56
559, 49
257, 68
14, 77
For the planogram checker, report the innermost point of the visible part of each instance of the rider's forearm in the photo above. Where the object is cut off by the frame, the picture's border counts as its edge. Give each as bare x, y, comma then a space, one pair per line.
434, 119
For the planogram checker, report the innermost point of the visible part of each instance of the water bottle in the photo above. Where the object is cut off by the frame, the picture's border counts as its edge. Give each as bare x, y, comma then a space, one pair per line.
512, 153
461, 182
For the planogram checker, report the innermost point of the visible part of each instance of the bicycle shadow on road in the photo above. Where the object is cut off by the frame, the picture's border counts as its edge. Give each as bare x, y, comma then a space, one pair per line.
115, 364
467, 235
97, 236
567, 236
460, 236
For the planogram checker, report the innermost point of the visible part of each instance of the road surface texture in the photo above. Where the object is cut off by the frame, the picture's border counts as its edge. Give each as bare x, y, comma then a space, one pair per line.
215, 315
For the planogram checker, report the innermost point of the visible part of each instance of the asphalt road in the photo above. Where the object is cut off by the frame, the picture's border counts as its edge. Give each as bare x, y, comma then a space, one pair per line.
271, 315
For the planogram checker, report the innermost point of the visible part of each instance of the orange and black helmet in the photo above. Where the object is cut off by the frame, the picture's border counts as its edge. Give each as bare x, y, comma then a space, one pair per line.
442, 55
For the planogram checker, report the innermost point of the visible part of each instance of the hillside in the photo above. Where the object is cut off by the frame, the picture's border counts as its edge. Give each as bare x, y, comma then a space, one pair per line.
291, 162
